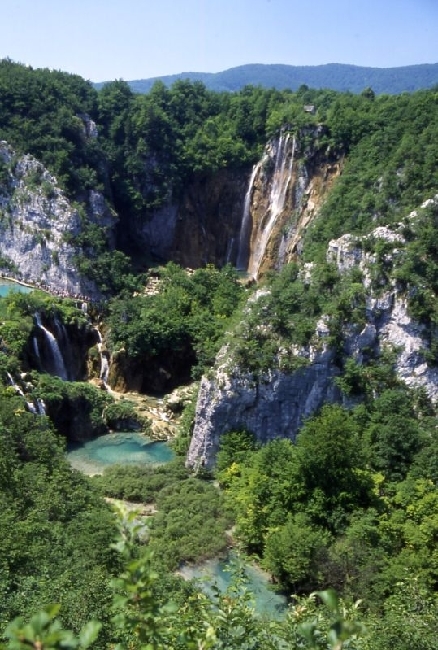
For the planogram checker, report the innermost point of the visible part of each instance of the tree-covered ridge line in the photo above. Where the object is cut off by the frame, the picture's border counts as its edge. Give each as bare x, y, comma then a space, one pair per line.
334, 76
150, 148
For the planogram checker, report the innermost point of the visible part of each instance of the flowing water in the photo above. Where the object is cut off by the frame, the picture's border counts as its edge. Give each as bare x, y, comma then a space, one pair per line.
245, 228
94, 456
221, 573
58, 366
283, 167
127, 448
104, 364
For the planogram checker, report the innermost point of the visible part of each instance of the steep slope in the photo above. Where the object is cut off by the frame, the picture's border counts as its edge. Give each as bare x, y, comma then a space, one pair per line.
374, 313
286, 189
39, 225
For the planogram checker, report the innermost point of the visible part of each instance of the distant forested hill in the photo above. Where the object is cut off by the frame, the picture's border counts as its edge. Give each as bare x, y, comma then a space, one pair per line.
334, 76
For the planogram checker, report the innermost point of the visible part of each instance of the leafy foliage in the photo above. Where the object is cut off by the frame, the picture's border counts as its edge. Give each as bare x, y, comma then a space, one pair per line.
182, 325
55, 528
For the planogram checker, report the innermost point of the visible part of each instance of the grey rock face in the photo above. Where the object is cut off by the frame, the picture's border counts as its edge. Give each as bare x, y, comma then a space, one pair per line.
388, 320
38, 224
273, 406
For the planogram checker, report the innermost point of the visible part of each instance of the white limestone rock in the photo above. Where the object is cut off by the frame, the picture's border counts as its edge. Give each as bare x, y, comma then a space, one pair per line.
271, 406
38, 224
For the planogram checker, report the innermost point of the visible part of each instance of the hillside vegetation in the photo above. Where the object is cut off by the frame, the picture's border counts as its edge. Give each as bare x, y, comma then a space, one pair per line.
352, 505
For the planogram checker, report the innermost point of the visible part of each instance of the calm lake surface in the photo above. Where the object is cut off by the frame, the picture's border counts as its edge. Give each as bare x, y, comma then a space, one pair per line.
127, 448
6, 286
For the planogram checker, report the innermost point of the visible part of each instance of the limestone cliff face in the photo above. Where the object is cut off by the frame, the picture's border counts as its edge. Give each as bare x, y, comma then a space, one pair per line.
254, 221
272, 406
38, 225
388, 319
286, 190
275, 403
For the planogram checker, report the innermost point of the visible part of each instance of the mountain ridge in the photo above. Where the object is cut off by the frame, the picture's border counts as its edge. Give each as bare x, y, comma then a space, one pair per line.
333, 76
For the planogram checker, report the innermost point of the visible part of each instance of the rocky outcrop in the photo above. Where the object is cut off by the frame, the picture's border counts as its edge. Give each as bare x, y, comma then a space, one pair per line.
387, 313
275, 403
271, 406
38, 226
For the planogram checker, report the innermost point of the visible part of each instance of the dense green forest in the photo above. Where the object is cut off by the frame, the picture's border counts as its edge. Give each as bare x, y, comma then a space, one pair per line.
150, 146
352, 506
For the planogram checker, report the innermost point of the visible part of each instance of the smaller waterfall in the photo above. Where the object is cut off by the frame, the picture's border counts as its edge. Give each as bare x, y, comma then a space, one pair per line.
32, 408
41, 406
229, 250
59, 368
104, 365
245, 228
61, 332
280, 184
36, 350
14, 384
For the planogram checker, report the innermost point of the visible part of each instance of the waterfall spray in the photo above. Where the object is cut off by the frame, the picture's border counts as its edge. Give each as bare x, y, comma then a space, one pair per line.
245, 228
281, 178
104, 365
41, 406
59, 368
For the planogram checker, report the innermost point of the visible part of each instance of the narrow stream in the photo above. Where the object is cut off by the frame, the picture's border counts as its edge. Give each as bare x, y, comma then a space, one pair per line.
221, 573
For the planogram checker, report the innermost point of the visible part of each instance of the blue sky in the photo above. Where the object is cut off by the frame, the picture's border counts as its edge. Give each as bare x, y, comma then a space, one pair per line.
135, 39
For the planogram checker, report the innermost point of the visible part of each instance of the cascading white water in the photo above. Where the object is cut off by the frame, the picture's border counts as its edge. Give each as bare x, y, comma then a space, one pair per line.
59, 368
60, 329
41, 406
36, 349
104, 368
14, 384
245, 228
104, 365
229, 250
280, 183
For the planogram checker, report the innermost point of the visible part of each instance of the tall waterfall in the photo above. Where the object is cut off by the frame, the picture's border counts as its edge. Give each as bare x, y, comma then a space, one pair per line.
281, 178
58, 364
245, 228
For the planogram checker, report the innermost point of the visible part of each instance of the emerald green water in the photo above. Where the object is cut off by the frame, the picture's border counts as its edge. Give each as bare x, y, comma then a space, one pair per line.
221, 573
6, 286
127, 448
